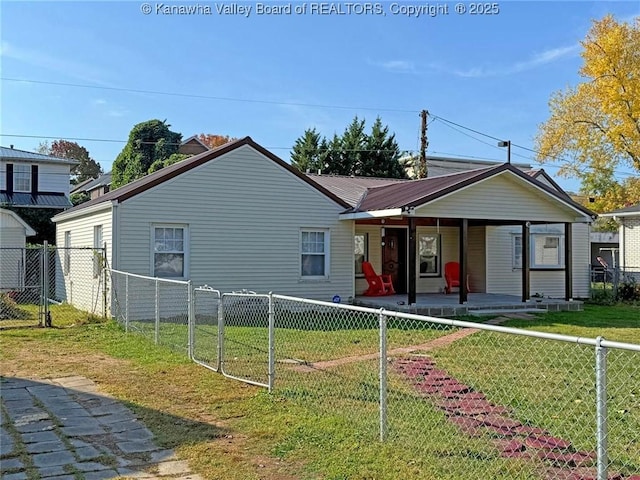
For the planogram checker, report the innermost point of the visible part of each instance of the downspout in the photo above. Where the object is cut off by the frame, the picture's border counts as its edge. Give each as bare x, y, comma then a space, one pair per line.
115, 235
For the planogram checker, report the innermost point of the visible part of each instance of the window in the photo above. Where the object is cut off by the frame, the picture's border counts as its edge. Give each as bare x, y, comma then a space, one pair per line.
21, 178
314, 253
546, 251
98, 252
361, 251
169, 253
517, 251
429, 255
67, 252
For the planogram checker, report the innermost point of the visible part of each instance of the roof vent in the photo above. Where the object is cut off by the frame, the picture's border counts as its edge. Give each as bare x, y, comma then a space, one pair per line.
11, 147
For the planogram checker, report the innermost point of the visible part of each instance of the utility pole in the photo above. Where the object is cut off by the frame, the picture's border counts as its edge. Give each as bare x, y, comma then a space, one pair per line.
422, 162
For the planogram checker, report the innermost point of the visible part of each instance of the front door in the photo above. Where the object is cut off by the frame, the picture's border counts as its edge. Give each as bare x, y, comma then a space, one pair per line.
394, 257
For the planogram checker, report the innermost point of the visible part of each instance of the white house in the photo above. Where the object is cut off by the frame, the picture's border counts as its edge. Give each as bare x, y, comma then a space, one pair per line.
628, 238
238, 217
13, 238
29, 179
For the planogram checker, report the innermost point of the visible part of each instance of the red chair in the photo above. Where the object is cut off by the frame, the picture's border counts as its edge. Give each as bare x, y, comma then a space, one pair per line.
452, 276
378, 284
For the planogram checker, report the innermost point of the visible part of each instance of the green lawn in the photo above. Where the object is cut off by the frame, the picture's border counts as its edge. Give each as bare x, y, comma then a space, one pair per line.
323, 424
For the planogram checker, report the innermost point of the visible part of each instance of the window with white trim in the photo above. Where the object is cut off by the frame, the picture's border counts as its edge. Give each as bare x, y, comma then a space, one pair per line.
360, 252
314, 253
169, 251
429, 254
547, 251
21, 178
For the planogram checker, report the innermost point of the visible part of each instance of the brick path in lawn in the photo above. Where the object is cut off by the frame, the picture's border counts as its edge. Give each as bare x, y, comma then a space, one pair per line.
474, 415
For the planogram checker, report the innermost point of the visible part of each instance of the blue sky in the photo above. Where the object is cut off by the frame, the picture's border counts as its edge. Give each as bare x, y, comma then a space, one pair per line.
273, 76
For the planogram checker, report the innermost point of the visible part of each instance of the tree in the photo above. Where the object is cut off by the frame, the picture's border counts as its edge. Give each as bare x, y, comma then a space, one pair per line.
149, 142
353, 153
213, 140
86, 169
306, 154
594, 127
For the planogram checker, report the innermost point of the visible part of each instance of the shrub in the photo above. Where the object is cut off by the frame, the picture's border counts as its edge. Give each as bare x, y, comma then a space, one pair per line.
629, 290
602, 297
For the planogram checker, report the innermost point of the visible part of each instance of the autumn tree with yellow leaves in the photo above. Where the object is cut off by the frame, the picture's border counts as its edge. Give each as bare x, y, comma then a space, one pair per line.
594, 127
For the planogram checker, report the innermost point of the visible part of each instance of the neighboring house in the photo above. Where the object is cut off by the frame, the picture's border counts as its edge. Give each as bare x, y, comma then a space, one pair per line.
95, 187
192, 146
628, 238
29, 179
238, 217
13, 239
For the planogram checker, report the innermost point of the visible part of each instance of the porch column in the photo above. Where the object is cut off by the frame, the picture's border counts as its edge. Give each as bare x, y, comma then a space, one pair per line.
412, 262
526, 259
464, 244
568, 263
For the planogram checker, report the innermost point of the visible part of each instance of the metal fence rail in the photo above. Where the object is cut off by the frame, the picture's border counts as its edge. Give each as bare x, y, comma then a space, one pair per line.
469, 400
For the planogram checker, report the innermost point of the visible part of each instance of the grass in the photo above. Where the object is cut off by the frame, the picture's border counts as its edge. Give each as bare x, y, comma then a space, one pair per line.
323, 424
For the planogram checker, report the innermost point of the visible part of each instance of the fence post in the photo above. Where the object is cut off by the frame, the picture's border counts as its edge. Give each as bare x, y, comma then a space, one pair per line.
190, 319
103, 272
272, 363
157, 332
221, 333
126, 303
601, 409
45, 285
382, 318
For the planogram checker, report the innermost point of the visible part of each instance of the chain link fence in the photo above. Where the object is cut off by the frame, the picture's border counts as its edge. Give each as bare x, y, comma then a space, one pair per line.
43, 285
615, 283
159, 309
466, 400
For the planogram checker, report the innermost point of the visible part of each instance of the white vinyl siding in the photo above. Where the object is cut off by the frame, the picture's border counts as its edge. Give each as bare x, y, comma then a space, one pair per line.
53, 178
503, 277
505, 195
82, 287
12, 261
244, 213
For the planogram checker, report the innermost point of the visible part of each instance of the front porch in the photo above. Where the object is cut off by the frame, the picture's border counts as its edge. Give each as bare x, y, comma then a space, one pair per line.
442, 305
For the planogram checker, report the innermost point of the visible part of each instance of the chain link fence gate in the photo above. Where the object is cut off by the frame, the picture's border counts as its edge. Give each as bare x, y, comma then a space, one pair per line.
207, 332
41, 285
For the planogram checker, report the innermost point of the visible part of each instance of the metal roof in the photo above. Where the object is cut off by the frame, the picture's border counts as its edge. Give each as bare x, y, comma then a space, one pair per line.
419, 192
42, 200
351, 189
23, 155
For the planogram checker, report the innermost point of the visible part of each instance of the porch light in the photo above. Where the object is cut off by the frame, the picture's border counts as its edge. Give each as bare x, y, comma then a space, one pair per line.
506, 143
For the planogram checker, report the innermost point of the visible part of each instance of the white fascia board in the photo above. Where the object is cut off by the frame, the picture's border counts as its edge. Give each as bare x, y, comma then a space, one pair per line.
83, 211
623, 214
392, 212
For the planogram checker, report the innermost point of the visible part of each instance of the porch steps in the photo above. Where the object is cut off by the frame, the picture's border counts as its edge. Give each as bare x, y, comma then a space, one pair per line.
499, 311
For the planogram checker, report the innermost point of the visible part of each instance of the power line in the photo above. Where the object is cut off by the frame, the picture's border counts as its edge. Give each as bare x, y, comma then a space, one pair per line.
207, 97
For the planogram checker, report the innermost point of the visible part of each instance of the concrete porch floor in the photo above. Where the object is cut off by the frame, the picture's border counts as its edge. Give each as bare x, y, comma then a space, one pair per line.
442, 305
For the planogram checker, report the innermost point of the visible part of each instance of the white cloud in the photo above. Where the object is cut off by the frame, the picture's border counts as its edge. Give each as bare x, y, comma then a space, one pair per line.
396, 66
536, 60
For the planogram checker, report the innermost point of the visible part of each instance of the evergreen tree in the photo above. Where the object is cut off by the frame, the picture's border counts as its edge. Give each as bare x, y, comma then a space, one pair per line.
352, 153
306, 154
